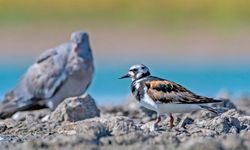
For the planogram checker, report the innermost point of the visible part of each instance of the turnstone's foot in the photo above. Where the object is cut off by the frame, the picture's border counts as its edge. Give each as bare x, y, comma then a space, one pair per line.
171, 121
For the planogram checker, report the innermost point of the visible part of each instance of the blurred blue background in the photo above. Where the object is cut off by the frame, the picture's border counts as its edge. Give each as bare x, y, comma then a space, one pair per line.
205, 79
203, 45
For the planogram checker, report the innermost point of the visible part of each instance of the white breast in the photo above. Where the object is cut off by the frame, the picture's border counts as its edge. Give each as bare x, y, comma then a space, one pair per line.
148, 102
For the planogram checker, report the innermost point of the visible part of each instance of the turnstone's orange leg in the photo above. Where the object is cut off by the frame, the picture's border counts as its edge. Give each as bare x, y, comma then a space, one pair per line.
171, 121
158, 120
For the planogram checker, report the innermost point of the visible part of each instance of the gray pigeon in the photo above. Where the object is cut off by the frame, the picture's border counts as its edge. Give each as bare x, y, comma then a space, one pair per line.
58, 73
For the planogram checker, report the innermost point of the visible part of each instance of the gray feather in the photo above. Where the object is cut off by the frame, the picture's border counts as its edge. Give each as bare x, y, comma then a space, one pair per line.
58, 73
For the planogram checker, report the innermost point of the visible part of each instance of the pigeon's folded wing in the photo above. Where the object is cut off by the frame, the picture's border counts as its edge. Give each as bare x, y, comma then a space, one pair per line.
47, 75
45, 55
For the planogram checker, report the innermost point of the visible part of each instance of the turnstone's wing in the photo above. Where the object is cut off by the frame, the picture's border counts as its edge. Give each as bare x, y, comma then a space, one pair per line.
164, 91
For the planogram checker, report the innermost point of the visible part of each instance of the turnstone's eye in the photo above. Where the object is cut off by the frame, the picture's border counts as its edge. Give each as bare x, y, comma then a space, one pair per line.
133, 70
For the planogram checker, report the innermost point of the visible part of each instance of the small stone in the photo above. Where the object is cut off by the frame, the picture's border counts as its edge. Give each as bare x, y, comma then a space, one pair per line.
149, 126
45, 118
186, 121
9, 122
99, 127
3, 127
75, 109
227, 122
30, 115
18, 116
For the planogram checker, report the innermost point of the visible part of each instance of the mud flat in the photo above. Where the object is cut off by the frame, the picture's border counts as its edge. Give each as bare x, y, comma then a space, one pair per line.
79, 124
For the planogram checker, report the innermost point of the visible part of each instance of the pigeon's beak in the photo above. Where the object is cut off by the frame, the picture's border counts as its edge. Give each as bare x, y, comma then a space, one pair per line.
125, 76
75, 46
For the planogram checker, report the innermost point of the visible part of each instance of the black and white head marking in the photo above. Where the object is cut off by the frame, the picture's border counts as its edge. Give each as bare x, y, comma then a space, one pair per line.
138, 71
138, 74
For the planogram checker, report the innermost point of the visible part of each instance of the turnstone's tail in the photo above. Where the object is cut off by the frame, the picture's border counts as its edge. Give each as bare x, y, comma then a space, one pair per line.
209, 100
209, 108
204, 99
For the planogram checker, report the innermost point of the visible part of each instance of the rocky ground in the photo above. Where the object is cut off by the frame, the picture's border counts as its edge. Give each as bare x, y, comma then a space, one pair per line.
78, 124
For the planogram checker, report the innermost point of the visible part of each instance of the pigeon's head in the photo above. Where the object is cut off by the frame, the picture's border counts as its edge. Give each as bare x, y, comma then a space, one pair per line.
79, 37
80, 40
137, 72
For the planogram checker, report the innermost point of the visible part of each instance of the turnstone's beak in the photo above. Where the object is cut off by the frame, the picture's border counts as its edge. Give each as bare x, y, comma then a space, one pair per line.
125, 76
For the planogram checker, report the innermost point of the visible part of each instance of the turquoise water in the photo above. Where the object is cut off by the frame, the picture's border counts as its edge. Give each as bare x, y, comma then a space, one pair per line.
205, 79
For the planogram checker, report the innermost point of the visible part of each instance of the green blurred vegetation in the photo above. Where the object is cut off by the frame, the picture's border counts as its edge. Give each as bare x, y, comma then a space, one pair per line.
173, 13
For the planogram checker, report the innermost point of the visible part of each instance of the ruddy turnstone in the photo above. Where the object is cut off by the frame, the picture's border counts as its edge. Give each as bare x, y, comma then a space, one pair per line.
164, 96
